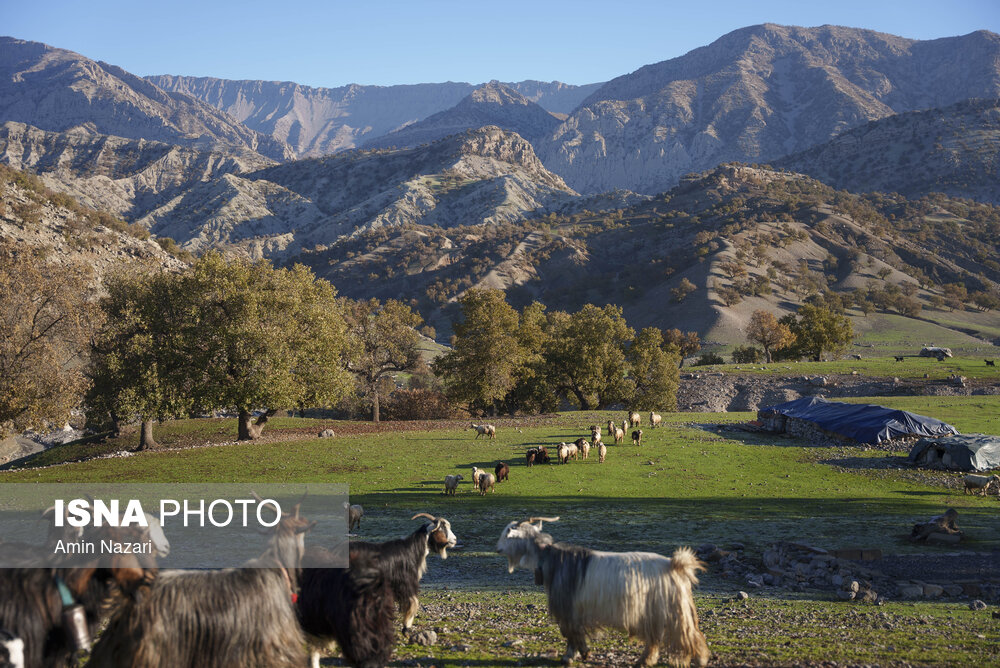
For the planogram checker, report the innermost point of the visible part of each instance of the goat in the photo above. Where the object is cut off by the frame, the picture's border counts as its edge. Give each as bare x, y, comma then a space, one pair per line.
354, 515
654, 420
11, 651
476, 474
543, 455
637, 437
530, 456
899, 358
583, 445
602, 451
974, 483
215, 619
618, 434
634, 419
352, 605
990, 362
451, 483
484, 430
486, 483
404, 560
595, 432
31, 604
646, 595
502, 472
566, 451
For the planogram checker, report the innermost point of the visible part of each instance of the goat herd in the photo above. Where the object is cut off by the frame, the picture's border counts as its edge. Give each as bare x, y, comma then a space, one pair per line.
483, 481
291, 599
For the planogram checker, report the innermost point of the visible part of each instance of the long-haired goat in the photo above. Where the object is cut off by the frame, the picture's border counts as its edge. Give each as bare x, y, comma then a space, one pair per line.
215, 619
31, 606
487, 481
646, 595
502, 472
583, 445
634, 419
654, 420
484, 430
352, 605
404, 560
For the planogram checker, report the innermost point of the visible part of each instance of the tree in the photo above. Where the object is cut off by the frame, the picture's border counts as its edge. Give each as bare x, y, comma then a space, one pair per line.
686, 343
261, 337
765, 329
747, 355
487, 357
532, 391
139, 364
683, 289
47, 316
819, 329
654, 372
585, 356
384, 342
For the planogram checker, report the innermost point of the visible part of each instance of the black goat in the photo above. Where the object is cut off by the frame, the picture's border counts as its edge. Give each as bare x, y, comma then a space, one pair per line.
502, 472
404, 560
31, 606
352, 605
990, 362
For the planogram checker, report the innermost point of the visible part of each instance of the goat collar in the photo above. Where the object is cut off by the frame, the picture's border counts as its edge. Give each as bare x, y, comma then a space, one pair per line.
288, 583
64, 593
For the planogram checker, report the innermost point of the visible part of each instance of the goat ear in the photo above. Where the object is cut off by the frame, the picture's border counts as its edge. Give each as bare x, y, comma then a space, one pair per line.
127, 571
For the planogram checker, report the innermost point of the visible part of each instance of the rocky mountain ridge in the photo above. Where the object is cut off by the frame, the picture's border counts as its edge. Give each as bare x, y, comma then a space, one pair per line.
757, 94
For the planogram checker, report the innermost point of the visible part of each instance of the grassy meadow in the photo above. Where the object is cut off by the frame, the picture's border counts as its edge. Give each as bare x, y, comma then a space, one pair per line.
690, 482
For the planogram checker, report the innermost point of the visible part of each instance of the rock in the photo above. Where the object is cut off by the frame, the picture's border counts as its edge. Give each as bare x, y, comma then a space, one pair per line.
424, 638
853, 585
953, 590
741, 596
771, 558
846, 595
958, 381
735, 547
818, 381
837, 580
516, 642
909, 591
327, 433
977, 605
868, 596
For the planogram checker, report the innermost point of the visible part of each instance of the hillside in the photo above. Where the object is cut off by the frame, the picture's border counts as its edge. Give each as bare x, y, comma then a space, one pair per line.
33, 216
486, 176
955, 150
745, 237
491, 104
58, 90
757, 94
321, 121
127, 177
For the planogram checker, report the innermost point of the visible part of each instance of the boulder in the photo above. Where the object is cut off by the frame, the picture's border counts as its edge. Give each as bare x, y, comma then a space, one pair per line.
327, 433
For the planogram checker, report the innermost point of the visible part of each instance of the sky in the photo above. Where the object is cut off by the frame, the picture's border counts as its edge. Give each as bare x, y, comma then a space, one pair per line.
384, 42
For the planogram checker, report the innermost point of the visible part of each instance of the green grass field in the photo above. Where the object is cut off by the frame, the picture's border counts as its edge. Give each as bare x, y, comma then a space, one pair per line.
879, 367
688, 484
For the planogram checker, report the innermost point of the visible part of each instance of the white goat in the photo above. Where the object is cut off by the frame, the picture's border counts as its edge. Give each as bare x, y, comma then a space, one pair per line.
565, 451
646, 595
654, 420
486, 483
602, 451
451, 483
476, 474
484, 430
974, 483
634, 419
619, 435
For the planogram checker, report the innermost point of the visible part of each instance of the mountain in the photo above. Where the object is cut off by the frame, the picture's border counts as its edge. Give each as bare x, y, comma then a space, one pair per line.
756, 94
741, 238
490, 104
58, 90
483, 177
955, 150
126, 177
321, 121
33, 216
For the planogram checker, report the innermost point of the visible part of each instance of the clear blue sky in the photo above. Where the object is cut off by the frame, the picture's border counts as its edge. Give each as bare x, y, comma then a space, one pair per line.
332, 43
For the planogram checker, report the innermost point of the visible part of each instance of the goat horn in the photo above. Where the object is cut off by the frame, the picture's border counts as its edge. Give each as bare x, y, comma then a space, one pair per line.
256, 496
543, 519
430, 517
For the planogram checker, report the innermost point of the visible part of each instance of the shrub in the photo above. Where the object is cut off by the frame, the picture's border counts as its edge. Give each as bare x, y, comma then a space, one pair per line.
417, 404
747, 355
709, 358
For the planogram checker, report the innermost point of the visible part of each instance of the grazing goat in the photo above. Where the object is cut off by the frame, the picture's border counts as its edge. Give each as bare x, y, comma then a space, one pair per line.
974, 483
583, 445
619, 435
990, 362
502, 472
476, 474
352, 605
530, 456
565, 451
899, 358
637, 437
484, 430
486, 483
634, 419
215, 619
404, 560
451, 483
11, 651
31, 604
646, 595
354, 515
654, 420
602, 451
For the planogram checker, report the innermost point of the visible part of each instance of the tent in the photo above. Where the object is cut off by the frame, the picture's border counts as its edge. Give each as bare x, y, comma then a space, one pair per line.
865, 423
968, 452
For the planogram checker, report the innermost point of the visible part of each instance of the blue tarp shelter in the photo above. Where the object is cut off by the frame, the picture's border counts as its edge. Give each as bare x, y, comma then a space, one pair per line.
865, 423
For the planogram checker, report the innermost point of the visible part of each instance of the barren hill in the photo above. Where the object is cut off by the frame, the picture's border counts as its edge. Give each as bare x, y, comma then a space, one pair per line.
58, 90
491, 104
757, 94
